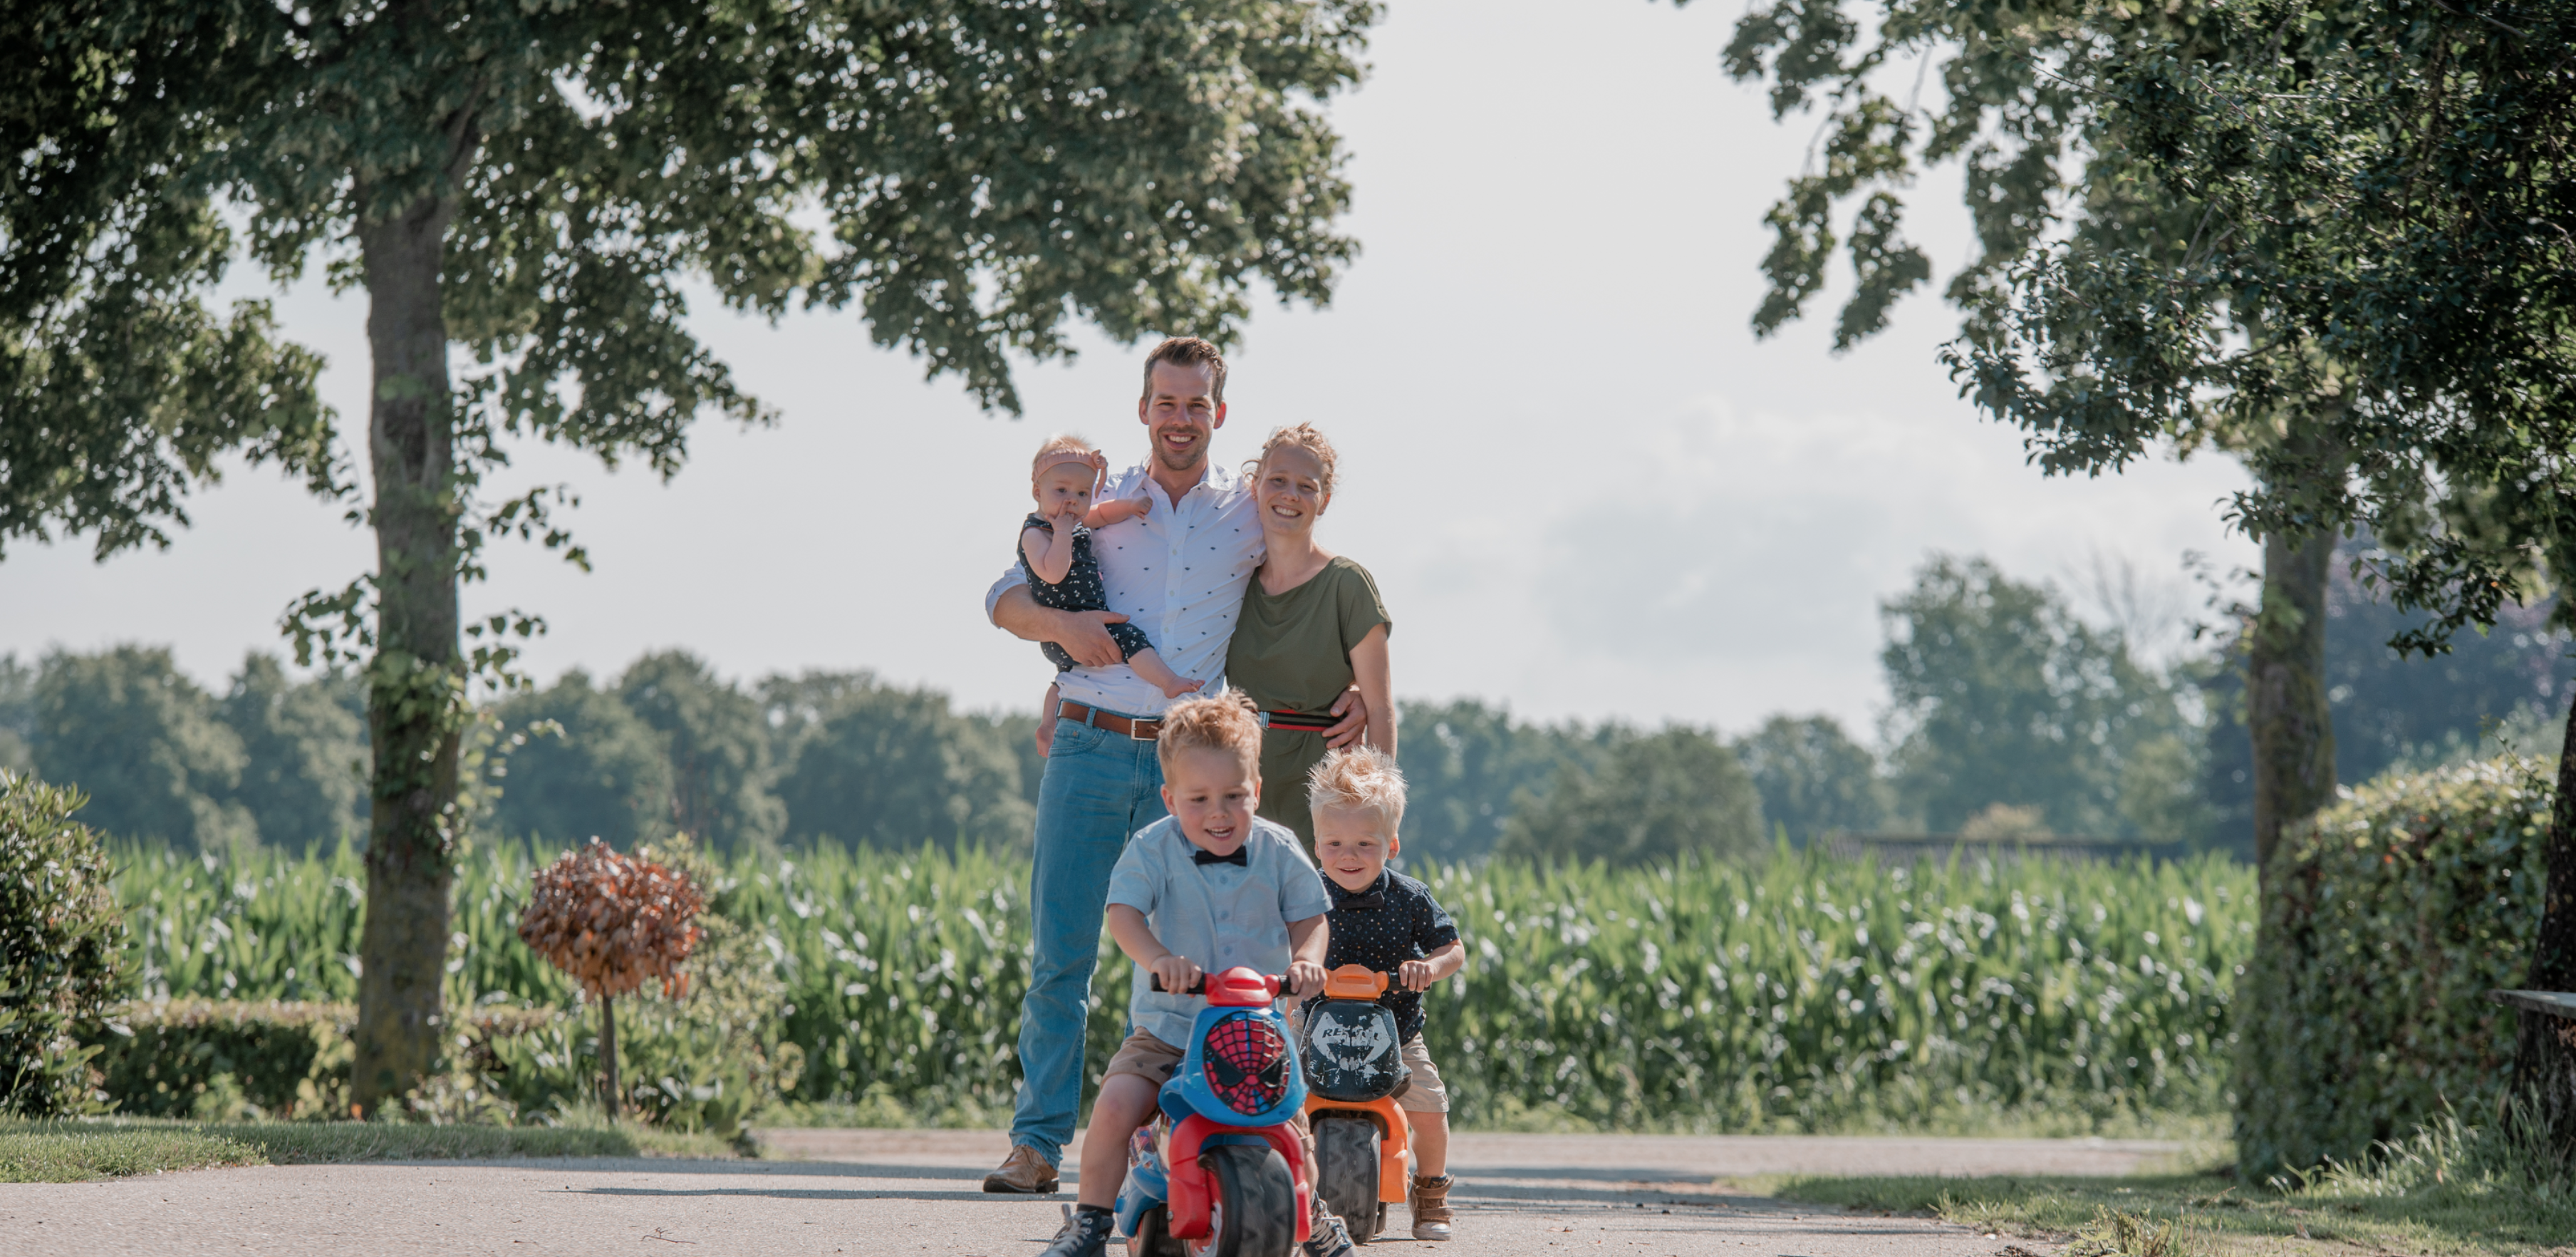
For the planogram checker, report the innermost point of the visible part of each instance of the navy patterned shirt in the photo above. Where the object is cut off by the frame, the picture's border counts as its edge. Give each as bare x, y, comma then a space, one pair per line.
1393, 921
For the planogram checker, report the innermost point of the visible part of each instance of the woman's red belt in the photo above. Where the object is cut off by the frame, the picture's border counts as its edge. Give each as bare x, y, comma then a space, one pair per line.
1299, 720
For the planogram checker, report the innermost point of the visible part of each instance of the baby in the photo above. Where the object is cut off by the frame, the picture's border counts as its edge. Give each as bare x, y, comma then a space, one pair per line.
1055, 551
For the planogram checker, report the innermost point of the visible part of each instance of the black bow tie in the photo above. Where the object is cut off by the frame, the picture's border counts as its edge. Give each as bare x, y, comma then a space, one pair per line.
1240, 859
1373, 901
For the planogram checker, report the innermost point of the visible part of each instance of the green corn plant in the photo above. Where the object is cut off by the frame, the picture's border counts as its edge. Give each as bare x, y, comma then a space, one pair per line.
1800, 992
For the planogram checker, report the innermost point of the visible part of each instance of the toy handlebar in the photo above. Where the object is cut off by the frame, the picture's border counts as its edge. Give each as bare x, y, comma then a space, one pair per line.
1277, 982
1347, 982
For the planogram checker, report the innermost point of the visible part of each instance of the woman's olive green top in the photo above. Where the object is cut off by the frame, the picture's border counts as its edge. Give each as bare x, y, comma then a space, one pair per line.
1292, 652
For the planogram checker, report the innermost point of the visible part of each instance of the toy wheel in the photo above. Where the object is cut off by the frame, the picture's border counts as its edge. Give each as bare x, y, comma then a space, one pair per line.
1253, 1210
1346, 1173
1153, 1237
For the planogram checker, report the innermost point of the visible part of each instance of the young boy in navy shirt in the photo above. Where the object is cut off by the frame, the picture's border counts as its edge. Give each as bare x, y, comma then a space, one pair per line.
1205, 889
1385, 921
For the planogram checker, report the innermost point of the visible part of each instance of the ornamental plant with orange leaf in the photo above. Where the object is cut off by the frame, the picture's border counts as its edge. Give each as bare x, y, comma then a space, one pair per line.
613, 922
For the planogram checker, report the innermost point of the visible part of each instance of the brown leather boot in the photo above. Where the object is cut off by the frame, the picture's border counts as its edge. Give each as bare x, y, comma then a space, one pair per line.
1430, 1204
1023, 1171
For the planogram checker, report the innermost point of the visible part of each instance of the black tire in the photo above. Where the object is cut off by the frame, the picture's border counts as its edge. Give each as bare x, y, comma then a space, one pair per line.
1154, 1236
1346, 1167
1254, 1205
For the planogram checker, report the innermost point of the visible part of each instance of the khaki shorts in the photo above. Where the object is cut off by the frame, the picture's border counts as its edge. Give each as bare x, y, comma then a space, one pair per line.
1146, 1057
1427, 1094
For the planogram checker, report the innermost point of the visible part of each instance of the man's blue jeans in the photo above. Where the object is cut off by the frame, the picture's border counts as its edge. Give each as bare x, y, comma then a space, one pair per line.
1099, 787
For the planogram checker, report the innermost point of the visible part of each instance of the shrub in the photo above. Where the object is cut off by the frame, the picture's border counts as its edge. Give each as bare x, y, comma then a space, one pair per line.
169, 1059
226, 1060
703, 1055
2364, 1013
62, 942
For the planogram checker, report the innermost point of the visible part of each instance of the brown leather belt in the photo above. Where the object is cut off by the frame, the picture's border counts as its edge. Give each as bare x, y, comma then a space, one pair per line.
1080, 713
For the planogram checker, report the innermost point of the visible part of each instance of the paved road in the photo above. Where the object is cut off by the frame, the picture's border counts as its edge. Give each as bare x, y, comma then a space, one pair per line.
916, 1193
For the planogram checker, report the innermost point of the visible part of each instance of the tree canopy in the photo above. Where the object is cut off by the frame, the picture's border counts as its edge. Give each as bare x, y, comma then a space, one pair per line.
1648, 798
2000, 694
1814, 780
545, 187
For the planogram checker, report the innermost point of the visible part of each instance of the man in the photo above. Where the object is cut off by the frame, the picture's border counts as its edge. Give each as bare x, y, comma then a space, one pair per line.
1178, 571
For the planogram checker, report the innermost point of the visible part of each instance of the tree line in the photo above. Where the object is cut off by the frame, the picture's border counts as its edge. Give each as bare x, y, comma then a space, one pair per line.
2010, 713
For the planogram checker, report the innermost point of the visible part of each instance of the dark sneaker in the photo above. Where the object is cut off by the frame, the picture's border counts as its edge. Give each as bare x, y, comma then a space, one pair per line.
1085, 1234
1326, 1236
1023, 1171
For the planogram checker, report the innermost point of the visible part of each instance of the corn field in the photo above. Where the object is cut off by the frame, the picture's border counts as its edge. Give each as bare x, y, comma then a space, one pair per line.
1798, 993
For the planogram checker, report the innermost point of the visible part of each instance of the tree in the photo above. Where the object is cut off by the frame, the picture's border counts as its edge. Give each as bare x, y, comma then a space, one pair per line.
1653, 797
304, 753
718, 746
1467, 765
2000, 695
2392, 710
893, 767
2384, 189
2019, 112
531, 185
132, 732
581, 765
17, 715
1815, 781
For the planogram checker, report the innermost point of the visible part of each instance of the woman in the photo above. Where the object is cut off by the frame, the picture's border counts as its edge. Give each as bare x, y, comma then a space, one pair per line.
1312, 626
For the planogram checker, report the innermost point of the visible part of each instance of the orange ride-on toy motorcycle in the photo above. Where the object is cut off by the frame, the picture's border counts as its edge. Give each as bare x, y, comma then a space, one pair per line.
1354, 1072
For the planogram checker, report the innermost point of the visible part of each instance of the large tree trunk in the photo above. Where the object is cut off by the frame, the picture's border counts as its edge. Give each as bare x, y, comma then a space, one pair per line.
415, 680
2285, 691
2544, 1065
2285, 698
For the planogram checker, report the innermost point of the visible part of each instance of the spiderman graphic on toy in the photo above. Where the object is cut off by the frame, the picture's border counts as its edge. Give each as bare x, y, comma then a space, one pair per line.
1247, 1062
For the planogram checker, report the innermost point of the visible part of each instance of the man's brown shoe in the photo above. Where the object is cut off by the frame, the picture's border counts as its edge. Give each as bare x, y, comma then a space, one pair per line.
1430, 1204
1024, 1171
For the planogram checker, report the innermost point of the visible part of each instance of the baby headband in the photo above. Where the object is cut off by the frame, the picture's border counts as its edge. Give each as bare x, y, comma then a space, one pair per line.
1055, 458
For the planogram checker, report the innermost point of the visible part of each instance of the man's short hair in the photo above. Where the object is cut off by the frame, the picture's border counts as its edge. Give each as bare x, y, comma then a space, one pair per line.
1188, 351
1219, 722
1358, 778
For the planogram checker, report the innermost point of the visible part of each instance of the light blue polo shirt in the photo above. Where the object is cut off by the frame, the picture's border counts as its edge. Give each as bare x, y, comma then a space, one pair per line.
1218, 915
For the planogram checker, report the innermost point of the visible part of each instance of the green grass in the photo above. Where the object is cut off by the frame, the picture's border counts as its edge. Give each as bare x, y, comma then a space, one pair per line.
2447, 1191
74, 1151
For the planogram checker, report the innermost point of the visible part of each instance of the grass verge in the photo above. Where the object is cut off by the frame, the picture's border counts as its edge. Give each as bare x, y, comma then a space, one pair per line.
2448, 1191
70, 1152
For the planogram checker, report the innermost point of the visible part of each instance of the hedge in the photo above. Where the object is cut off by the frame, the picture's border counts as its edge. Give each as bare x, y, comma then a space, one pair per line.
2364, 1013
62, 948
274, 1059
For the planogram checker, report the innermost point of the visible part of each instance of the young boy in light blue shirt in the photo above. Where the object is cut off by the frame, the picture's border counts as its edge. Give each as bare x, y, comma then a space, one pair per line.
1207, 888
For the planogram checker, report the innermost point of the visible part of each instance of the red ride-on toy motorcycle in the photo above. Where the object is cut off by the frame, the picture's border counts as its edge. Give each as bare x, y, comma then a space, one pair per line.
1220, 1173
1354, 1072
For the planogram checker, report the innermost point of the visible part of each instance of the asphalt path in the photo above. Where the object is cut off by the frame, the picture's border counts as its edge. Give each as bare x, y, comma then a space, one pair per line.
906, 1193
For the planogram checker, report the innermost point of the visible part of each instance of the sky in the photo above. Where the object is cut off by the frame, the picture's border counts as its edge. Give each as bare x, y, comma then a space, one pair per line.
1586, 490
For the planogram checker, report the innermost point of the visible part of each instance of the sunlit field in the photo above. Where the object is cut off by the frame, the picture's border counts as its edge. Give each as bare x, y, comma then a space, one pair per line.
1797, 993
